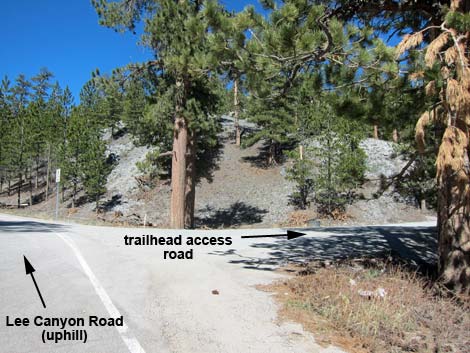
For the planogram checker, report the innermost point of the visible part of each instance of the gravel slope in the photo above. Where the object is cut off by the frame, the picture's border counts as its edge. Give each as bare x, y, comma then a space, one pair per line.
240, 192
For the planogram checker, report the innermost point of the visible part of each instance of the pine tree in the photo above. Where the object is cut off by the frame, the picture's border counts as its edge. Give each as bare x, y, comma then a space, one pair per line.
66, 107
180, 34
229, 45
340, 165
20, 145
94, 166
54, 134
38, 111
301, 173
332, 164
112, 102
276, 121
93, 100
447, 78
72, 159
34, 114
134, 106
5, 117
84, 161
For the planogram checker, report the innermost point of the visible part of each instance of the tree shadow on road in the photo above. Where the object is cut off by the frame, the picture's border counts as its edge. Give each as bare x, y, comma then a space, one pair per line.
29, 227
239, 213
416, 245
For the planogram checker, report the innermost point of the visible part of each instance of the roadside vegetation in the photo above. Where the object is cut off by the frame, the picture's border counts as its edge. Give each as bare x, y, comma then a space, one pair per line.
374, 305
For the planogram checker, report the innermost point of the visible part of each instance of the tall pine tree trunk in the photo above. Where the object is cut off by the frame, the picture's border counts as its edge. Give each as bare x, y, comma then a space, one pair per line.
190, 182
31, 186
179, 158
329, 176
20, 181
271, 153
74, 194
48, 171
453, 171
376, 131
453, 177
422, 204
36, 184
236, 106
178, 172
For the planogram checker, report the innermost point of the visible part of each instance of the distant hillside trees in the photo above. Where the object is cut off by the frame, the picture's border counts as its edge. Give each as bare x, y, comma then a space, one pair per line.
20, 135
41, 130
276, 119
6, 116
328, 166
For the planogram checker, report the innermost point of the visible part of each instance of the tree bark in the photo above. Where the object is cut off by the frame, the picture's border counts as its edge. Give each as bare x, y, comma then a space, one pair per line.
236, 106
20, 181
31, 186
270, 160
36, 184
395, 135
48, 171
190, 191
454, 213
74, 194
179, 158
329, 176
423, 205
376, 131
178, 173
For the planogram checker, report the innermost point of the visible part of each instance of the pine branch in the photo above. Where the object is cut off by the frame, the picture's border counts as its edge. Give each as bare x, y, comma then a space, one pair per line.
397, 176
165, 154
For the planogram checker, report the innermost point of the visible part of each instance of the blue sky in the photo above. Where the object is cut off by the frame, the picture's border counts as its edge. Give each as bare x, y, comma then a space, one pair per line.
65, 37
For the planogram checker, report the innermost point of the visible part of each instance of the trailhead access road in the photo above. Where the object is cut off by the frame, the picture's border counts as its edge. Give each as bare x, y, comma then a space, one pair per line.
205, 304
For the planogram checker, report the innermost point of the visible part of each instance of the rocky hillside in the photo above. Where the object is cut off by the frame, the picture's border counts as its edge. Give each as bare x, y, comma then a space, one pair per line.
239, 192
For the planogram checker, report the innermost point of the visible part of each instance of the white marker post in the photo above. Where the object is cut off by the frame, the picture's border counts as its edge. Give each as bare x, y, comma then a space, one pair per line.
57, 182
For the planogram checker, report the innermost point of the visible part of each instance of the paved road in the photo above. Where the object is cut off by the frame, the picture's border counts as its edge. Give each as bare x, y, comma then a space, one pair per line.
168, 305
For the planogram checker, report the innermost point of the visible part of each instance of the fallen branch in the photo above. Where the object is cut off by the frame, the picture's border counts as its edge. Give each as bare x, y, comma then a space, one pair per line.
398, 176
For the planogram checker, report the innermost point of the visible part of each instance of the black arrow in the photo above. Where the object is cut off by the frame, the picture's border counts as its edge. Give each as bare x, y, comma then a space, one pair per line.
290, 235
29, 271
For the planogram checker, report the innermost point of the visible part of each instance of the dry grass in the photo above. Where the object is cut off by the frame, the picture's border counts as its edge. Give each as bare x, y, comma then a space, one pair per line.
299, 218
339, 215
71, 211
410, 317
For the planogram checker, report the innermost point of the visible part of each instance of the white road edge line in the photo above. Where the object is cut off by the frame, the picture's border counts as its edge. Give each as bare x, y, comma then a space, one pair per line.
131, 342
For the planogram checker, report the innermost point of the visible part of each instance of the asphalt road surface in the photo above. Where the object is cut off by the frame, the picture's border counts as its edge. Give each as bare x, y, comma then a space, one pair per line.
205, 304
